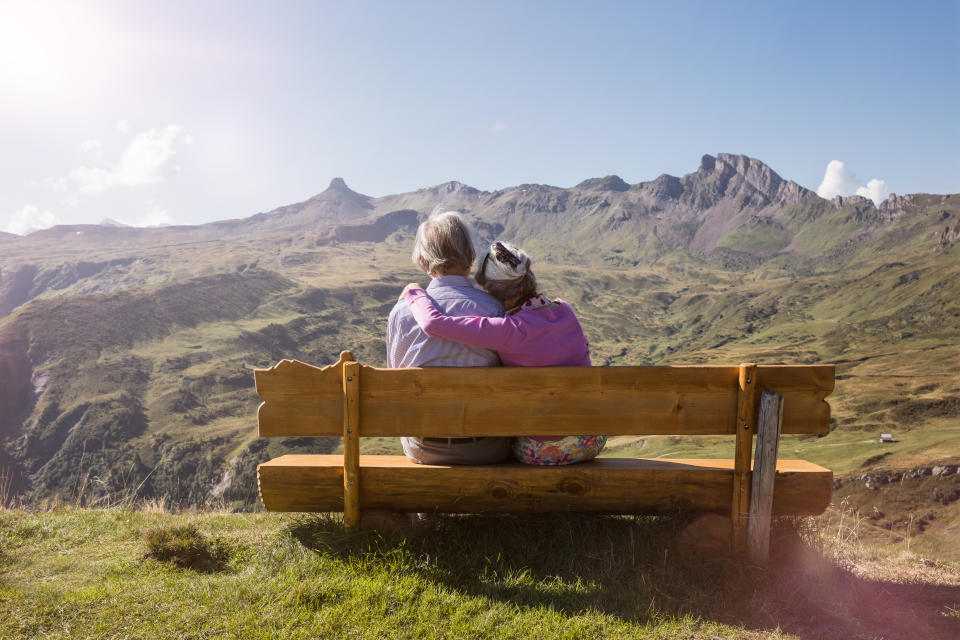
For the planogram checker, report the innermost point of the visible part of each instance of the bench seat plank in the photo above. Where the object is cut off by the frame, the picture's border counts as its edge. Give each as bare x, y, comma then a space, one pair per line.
605, 485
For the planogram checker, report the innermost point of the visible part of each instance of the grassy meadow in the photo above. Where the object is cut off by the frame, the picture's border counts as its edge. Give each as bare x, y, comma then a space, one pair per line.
123, 573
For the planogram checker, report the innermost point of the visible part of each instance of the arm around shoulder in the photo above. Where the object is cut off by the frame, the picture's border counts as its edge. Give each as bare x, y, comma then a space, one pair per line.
478, 331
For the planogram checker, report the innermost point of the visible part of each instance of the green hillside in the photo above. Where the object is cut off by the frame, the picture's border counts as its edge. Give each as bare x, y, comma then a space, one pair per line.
126, 355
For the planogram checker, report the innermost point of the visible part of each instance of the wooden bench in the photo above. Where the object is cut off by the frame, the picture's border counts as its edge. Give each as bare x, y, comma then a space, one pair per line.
351, 400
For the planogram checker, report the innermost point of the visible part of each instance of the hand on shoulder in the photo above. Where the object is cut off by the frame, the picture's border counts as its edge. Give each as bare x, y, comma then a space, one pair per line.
412, 285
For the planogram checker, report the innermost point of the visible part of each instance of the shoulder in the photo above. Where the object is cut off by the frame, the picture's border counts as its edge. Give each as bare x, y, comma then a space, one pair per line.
399, 313
486, 305
468, 300
484, 298
563, 312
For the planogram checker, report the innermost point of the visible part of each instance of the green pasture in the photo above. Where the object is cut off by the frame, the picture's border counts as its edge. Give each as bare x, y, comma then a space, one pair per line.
101, 574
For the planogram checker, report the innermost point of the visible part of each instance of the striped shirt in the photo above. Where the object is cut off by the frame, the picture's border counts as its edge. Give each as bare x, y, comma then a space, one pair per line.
409, 346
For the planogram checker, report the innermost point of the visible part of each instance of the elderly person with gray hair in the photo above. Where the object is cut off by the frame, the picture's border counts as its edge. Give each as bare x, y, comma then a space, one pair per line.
444, 250
535, 332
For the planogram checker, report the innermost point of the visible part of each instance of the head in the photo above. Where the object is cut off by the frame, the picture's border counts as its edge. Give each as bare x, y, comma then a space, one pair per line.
505, 273
444, 245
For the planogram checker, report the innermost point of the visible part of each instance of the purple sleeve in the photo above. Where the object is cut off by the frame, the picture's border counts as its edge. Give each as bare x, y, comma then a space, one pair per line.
478, 331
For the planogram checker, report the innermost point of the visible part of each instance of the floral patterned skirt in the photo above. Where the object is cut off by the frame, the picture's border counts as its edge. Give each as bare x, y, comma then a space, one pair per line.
556, 452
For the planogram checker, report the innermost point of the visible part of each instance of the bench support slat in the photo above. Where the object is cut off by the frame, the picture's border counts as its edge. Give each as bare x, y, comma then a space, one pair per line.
351, 446
764, 473
746, 426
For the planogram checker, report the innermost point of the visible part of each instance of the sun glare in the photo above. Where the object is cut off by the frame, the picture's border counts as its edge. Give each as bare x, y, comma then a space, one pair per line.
51, 50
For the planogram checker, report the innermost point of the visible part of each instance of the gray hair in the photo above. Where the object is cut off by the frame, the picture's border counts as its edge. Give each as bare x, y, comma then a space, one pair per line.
444, 243
505, 273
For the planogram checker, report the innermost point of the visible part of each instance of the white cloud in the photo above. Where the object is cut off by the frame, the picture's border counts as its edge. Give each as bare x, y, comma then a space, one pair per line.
57, 185
498, 126
93, 147
148, 159
31, 218
876, 190
837, 181
154, 216
123, 126
840, 181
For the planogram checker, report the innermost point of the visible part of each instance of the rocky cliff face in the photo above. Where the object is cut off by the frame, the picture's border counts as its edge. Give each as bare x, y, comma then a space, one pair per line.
949, 235
739, 176
856, 201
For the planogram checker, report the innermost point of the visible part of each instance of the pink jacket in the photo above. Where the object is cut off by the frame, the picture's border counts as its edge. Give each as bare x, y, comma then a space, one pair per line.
540, 333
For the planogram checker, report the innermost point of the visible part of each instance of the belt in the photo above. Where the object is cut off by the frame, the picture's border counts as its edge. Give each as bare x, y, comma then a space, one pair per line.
449, 441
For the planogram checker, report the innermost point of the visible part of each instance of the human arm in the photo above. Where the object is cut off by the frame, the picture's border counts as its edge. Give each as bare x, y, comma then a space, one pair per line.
479, 331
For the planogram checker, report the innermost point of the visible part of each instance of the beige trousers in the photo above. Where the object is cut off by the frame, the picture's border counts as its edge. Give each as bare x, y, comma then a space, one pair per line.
482, 451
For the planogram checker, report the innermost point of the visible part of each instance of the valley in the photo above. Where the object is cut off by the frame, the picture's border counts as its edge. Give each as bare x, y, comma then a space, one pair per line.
126, 355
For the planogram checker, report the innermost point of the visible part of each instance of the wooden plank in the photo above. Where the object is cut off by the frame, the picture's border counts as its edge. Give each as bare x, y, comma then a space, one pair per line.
301, 400
746, 414
804, 389
605, 485
351, 446
764, 473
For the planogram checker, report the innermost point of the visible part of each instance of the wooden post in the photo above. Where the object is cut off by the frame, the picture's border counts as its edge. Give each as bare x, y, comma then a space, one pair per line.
351, 446
746, 414
764, 473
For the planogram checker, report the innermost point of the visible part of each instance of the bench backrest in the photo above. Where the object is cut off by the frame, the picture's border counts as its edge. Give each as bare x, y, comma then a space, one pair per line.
303, 400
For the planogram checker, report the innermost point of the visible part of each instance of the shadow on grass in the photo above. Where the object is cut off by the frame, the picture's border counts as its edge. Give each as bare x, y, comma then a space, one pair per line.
187, 548
629, 567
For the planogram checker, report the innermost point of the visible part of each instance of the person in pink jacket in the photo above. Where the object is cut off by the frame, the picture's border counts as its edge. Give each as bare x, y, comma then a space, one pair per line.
534, 332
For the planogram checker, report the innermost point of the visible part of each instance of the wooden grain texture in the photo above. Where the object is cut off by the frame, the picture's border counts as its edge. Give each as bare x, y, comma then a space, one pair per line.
351, 446
605, 485
302, 400
764, 474
746, 426
804, 389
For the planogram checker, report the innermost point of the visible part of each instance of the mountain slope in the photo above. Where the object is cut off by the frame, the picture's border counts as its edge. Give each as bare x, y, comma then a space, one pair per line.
126, 355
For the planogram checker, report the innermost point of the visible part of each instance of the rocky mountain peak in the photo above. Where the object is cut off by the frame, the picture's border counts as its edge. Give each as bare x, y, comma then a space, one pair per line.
338, 191
840, 201
707, 164
894, 201
337, 184
738, 174
454, 186
665, 187
608, 183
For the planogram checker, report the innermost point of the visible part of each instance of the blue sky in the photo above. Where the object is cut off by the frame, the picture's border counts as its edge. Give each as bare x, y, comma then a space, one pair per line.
186, 112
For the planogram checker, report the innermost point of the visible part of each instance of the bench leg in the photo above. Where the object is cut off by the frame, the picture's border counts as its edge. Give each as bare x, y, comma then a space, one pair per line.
764, 473
746, 415
351, 446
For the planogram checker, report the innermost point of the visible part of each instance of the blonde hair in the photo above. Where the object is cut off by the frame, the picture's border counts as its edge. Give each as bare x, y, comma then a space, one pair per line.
444, 243
505, 273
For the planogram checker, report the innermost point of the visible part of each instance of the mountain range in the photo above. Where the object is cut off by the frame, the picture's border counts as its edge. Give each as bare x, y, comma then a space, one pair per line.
126, 354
